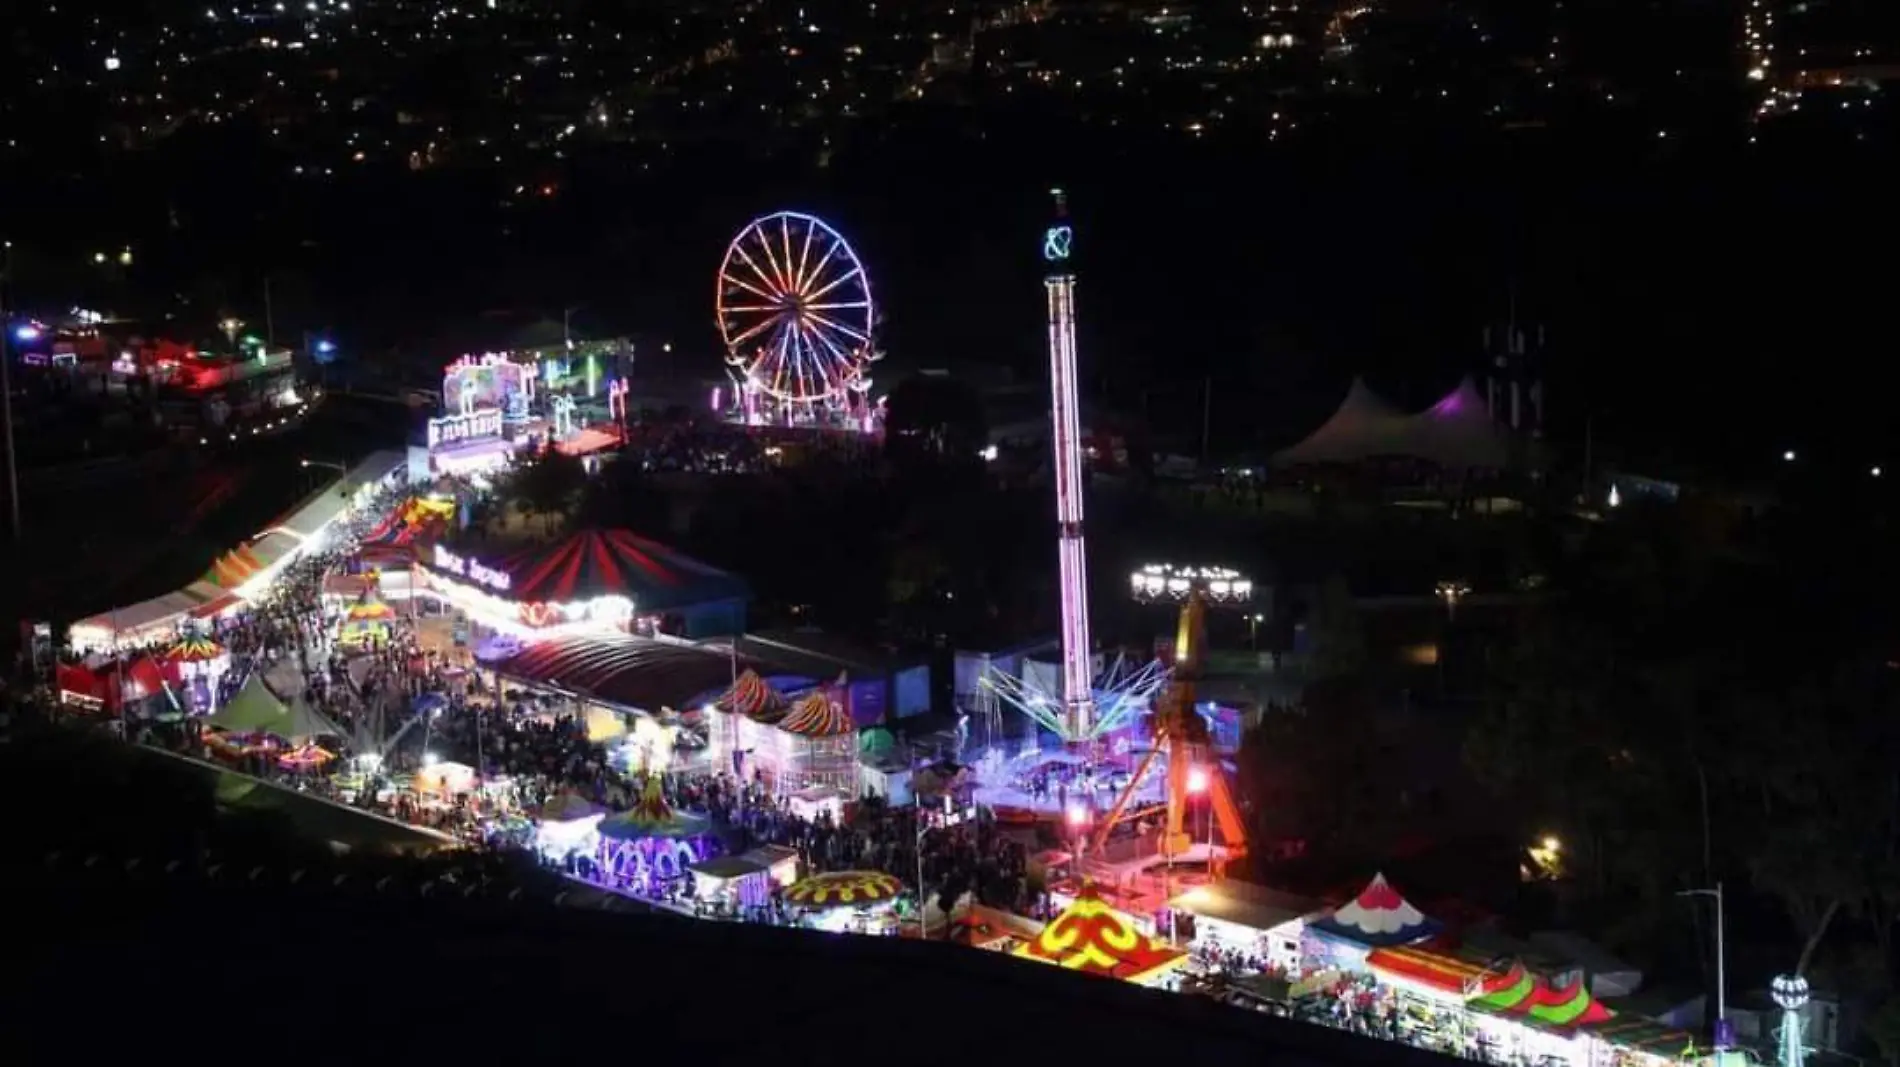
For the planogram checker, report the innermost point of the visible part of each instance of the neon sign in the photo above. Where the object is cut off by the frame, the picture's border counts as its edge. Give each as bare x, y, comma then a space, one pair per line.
1056, 241
471, 569
454, 429
606, 610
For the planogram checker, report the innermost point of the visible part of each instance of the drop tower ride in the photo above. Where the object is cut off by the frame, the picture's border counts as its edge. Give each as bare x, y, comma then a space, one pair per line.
1065, 436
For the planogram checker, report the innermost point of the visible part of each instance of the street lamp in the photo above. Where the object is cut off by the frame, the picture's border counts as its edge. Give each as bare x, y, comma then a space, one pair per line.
1721, 965
230, 326
337, 467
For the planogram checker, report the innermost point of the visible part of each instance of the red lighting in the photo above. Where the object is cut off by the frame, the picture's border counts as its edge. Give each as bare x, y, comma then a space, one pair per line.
1196, 781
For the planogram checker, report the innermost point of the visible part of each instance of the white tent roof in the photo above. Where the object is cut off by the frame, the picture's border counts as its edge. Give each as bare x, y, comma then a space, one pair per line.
1363, 418
1456, 432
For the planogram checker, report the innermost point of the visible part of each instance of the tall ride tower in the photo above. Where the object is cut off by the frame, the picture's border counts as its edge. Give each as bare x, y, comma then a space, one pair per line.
1065, 435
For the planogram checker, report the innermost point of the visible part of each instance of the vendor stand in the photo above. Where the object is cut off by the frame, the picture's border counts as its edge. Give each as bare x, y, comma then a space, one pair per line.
1379, 917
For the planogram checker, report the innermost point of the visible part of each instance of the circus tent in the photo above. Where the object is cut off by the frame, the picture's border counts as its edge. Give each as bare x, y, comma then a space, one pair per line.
1091, 937
1378, 917
1457, 432
591, 564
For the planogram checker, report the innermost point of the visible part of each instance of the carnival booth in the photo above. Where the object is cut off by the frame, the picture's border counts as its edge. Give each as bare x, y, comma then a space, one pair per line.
568, 827
817, 744
807, 744
1254, 921
726, 884
649, 845
1379, 917
857, 902
367, 622
741, 731
1093, 938
445, 779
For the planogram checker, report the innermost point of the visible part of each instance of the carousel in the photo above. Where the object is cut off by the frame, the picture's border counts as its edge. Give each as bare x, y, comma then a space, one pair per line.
855, 902
650, 844
367, 622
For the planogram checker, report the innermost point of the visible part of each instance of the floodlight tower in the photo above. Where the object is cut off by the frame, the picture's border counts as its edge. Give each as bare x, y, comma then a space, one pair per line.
1065, 435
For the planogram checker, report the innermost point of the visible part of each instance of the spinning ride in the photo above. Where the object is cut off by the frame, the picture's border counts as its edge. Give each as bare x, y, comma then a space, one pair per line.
796, 314
1181, 735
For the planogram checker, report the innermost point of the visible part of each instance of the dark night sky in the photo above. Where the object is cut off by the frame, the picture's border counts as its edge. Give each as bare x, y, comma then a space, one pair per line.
1710, 285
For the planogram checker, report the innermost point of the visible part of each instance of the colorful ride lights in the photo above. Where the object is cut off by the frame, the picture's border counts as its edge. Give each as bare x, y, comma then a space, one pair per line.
1169, 582
1197, 780
450, 563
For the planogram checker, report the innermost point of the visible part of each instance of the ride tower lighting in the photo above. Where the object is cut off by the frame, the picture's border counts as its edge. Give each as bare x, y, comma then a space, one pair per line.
1078, 699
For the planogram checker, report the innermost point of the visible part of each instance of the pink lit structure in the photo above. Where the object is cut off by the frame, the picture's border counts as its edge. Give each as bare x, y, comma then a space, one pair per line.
1078, 699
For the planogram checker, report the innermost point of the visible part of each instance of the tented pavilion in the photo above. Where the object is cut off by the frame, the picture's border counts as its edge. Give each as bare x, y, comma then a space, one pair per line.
1378, 917
1454, 434
257, 710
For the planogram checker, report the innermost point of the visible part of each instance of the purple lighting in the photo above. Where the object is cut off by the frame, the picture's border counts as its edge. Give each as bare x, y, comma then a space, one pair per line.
1066, 439
28, 332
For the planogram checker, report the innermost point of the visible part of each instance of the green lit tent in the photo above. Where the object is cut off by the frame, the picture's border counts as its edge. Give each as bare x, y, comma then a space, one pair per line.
255, 709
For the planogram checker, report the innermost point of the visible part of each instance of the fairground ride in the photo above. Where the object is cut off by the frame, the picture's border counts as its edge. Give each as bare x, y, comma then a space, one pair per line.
796, 315
1180, 733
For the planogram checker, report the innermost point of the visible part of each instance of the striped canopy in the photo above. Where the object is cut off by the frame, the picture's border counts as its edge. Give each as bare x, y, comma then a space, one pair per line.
816, 714
844, 889
194, 650
753, 697
596, 563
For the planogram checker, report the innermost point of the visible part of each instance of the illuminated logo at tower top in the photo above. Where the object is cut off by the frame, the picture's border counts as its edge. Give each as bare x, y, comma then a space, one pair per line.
1056, 241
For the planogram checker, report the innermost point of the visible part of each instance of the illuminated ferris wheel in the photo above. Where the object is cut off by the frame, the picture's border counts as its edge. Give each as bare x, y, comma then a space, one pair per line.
795, 311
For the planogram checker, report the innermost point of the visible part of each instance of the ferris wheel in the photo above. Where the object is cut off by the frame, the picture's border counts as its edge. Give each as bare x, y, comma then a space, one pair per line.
795, 310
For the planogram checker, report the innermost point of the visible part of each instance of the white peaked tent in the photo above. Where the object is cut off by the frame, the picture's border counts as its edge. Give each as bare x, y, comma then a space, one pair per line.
1455, 433
1358, 429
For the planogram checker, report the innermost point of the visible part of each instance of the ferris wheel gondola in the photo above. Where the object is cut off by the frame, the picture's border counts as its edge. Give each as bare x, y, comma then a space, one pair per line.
795, 311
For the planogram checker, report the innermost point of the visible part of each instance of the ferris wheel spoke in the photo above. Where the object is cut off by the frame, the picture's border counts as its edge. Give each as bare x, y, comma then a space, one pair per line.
834, 283
800, 367
804, 253
754, 331
779, 277
818, 271
754, 309
768, 287
856, 305
785, 243
822, 364
838, 356
829, 323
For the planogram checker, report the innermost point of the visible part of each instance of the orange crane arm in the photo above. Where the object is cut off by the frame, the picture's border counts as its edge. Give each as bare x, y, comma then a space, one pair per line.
1121, 802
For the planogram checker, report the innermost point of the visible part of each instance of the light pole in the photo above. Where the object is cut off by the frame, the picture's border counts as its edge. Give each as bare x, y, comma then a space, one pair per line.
1721, 965
923, 898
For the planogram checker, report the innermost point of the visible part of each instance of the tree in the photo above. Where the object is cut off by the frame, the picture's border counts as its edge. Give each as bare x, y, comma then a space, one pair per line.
549, 485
